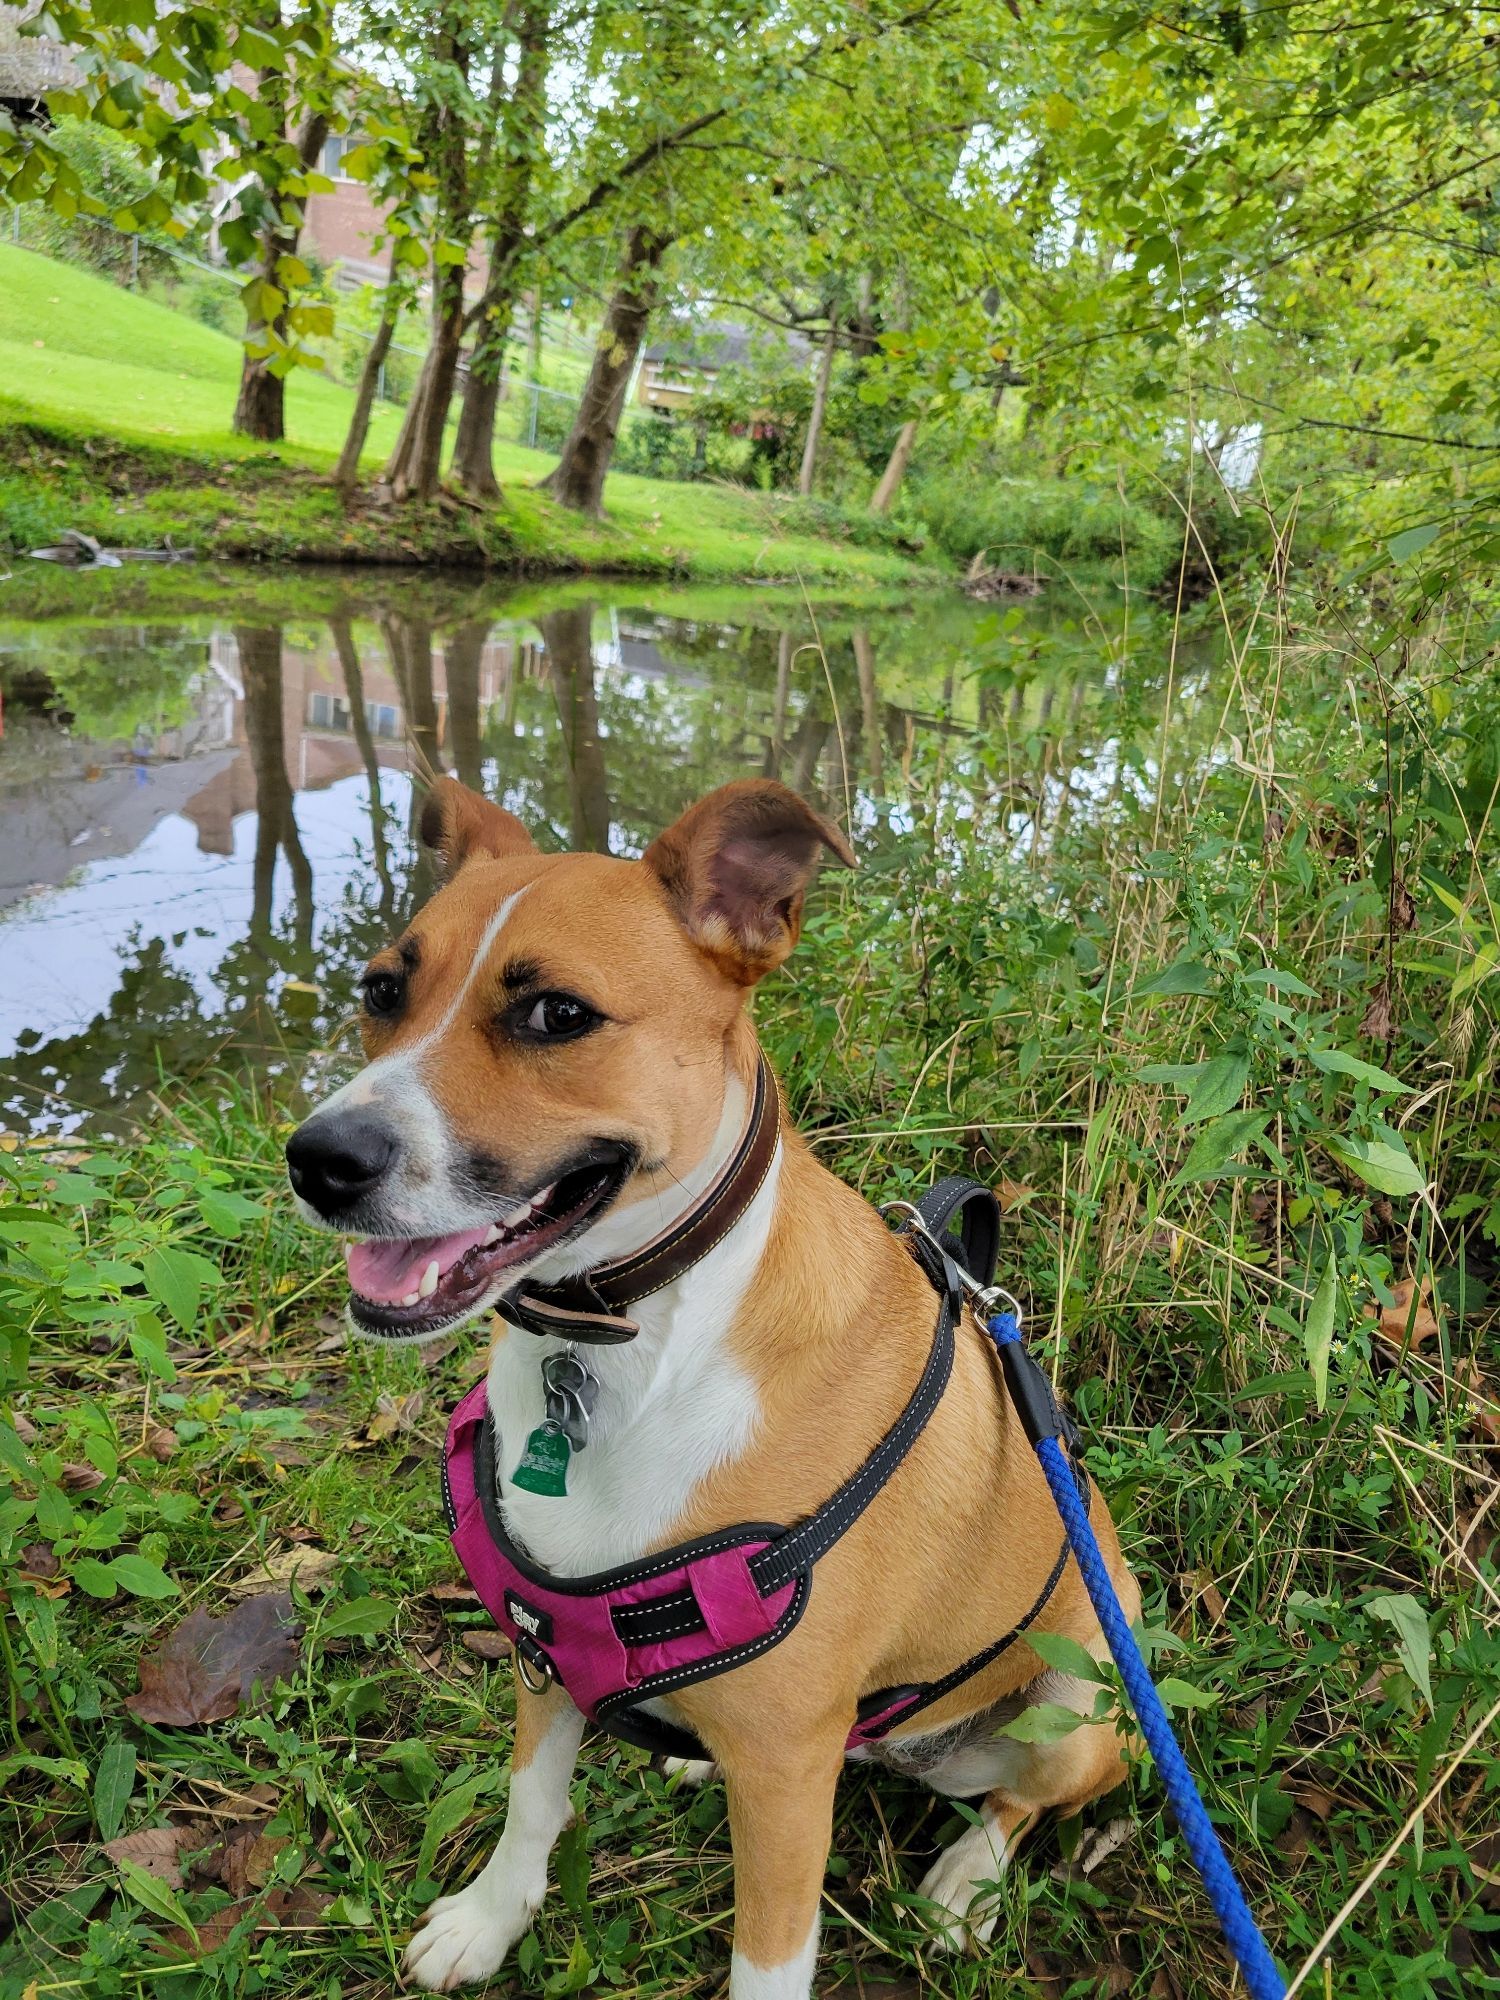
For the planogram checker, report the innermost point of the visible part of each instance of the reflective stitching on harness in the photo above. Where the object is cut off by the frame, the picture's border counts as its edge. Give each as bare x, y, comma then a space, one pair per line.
663, 1632
721, 1663
784, 1557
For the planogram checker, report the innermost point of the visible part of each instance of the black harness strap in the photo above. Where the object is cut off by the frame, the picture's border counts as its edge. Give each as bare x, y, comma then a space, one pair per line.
962, 1224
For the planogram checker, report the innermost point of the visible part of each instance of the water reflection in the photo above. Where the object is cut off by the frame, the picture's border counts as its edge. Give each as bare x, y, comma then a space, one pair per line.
207, 823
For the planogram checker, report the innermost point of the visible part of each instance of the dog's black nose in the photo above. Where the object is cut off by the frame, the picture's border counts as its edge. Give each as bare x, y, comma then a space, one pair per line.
332, 1161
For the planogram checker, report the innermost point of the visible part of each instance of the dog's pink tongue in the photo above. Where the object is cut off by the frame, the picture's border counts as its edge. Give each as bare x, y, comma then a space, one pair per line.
388, 1272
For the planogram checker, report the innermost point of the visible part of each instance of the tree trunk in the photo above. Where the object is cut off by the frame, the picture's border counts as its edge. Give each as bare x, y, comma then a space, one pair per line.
474, 447
414, 467
463, 651
568, 637
359, 724
259, 649
260, 410
522, 137
818, 411
346, 472
776, 747
890, 479
869, 707
578, 479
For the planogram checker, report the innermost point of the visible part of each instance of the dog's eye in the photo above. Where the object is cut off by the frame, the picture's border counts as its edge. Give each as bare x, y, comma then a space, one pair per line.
558, 1017
384, 992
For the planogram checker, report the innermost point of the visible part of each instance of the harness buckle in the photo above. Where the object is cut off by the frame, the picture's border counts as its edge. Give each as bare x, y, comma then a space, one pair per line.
985, 1300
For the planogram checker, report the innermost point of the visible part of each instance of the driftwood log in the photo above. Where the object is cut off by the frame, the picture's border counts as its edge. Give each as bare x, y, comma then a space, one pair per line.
989, 585
80, 551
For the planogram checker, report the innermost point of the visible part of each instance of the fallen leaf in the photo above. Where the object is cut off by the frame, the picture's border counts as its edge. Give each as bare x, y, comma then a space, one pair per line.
1484, 1408
159, 1849
207, 1667
1012, 1195
37, 1559
488, 1645
1197, 1586
279, 1909
451, 1593
1484, 1859
245, 1859
1101, 1842
1391, 1321
1296, 1837
159, 1443
393, 1414
80, 1478
1315, 1799
310, 1567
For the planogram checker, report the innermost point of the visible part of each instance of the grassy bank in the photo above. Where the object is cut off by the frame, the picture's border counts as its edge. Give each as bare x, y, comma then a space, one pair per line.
137, 450
1224, 1037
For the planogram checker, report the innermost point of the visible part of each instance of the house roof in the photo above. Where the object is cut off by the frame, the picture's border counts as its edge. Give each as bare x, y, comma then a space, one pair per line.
709, 345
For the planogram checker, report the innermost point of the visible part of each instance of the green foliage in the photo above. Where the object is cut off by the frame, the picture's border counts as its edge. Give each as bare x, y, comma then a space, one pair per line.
111, 172
1177, 1007
1017, 523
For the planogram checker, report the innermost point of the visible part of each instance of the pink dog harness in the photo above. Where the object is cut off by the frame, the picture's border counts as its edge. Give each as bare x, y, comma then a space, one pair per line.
626, 1636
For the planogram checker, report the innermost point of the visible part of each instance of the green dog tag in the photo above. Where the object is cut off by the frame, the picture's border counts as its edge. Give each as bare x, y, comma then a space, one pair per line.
544, 1462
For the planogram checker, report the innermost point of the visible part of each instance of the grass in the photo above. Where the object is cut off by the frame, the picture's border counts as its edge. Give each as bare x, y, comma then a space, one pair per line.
115, 416
1218, 1020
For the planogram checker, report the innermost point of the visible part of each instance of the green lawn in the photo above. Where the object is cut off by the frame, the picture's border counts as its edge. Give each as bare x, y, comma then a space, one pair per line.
82, 360
78, 349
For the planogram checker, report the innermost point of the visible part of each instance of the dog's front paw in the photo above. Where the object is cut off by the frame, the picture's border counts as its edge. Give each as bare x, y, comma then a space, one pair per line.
690, 1772
964, 1884
464, 1938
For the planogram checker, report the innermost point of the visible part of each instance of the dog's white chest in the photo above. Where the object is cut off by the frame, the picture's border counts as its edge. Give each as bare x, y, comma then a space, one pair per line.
673, 1406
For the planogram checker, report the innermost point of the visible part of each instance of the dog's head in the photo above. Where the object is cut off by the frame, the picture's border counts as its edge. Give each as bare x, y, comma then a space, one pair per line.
547, 1048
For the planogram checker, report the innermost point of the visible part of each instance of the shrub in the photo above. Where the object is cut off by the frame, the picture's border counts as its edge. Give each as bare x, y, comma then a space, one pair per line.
113, 173
855, 525
680, 448
1017, 521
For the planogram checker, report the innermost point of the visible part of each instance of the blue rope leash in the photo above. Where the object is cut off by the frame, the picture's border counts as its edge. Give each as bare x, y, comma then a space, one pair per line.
1032, 1395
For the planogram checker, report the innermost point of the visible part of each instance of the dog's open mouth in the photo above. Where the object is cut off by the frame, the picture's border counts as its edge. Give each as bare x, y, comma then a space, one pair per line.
405, 1287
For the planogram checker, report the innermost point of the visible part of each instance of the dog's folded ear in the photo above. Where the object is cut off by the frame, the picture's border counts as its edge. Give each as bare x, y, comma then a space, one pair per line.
736, 867
458, 824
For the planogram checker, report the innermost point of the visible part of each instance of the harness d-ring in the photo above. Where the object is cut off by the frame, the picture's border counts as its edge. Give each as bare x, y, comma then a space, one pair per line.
526, 1667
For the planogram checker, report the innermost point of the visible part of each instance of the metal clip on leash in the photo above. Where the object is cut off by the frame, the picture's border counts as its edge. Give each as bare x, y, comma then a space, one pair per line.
1046, 1426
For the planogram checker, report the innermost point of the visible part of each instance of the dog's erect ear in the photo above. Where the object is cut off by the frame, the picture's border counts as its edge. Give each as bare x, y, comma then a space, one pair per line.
458, 823
737, 866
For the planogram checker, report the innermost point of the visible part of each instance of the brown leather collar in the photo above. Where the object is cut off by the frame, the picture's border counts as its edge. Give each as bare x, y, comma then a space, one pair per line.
588, 1307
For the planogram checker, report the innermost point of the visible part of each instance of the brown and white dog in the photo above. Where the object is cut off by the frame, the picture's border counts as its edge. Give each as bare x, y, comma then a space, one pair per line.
559, 1062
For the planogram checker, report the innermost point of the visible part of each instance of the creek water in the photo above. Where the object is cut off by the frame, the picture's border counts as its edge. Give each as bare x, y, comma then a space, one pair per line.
207, 796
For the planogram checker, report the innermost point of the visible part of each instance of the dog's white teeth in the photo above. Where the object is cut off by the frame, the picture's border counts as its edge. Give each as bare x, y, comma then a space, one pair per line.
491, 1235
429, 1282
542, 1197
348, 1251
412, 1299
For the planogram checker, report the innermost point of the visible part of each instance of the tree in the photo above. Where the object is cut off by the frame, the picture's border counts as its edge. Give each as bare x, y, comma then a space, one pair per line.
818, 411
171, 80
454, 131
578, 478
522, 142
